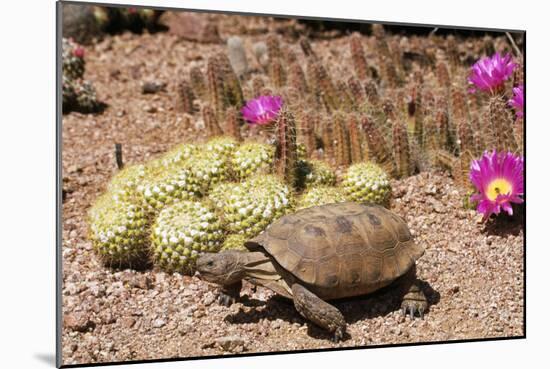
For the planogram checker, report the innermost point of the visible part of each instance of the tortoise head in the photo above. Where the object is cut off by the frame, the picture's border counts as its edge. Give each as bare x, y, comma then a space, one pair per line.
224, 268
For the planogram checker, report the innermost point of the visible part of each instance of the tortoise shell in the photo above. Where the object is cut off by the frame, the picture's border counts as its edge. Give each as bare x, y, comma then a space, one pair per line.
344, 246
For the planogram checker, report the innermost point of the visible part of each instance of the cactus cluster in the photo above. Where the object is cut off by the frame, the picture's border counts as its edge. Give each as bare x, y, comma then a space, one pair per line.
119, 231
366, 182
254, 204
252, 158
78, 94
181, 232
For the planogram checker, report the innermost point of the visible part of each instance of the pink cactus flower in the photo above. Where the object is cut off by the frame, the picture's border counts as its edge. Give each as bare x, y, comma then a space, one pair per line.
262, 110
489, 74
517, 101
499, 179
78, 52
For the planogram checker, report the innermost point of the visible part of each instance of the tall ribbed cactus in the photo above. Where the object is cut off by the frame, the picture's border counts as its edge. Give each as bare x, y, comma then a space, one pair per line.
401, 150
498, 134
287, 155
198, 85
307, 130
355, 140
233, 123
341, 143
297, 78
185, 97
322, 84
277, 73
211, 122
216, 93
378, 148
358, 57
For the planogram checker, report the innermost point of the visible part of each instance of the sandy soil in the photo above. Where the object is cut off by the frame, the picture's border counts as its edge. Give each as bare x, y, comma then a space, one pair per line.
472, 272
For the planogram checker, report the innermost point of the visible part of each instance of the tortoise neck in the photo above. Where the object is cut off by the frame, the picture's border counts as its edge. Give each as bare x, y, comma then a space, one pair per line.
258, 264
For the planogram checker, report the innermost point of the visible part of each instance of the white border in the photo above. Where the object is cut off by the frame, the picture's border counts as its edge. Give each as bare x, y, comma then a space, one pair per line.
27, 181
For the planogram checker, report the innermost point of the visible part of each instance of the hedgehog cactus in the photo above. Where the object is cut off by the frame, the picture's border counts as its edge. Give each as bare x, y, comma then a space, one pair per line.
72, 59
183, 231
315, 172
358, 57
287, 154
119, 231
320, 196
366, 182
184, 102
251, 158
255, 203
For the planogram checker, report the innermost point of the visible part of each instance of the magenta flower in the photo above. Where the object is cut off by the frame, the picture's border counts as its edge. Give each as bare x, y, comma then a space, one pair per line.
517, 101
262, 110
499, 179
489, 74
78, 52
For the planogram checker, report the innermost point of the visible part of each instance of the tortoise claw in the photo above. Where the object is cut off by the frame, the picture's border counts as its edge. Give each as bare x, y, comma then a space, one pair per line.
225, 300
338, 335
412, 308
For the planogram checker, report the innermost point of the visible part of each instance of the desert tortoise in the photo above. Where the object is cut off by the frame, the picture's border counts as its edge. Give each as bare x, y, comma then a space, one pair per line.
323, 253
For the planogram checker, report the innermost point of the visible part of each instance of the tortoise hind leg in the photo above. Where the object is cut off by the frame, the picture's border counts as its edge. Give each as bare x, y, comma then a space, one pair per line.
414, 300
318, 311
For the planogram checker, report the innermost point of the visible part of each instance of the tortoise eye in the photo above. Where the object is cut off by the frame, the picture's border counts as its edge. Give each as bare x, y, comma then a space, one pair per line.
210, 263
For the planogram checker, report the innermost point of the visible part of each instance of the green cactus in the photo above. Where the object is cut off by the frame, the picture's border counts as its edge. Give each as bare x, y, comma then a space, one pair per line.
251, 158
209, 167
179, 155
315, 172
319, 196
183, 231
234, 242
366, 182
255, 203
119, 231
73, 63
222, 145
164, 186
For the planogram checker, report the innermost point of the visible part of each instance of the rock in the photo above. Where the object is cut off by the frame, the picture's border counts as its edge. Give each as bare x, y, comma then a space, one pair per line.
260, 51
191, 26
209, 298
158, 323
276, 324
230, 343
152, 87
141, 281
79, 322
150, 109
237, 55
127, 322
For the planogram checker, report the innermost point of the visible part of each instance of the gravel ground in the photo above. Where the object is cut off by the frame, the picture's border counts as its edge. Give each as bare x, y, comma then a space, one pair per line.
472, 272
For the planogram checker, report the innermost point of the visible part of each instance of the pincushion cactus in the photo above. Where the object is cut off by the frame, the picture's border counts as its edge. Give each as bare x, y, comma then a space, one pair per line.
183, 231
251, 158
163, 186
179, 155
209, 167
366, 182
255, 203
315, 172
119, 231
222, 145
234, 242
320, 195
72, 59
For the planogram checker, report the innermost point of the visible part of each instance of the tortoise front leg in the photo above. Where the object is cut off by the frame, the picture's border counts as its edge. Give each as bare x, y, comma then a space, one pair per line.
230, 294
318, 311
414, 300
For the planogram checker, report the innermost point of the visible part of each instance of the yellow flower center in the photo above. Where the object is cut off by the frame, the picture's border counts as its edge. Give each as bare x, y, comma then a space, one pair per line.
497, 187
